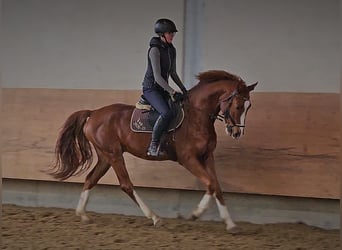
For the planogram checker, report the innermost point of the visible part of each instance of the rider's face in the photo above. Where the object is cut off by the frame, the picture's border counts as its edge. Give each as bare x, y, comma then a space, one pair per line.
168, 36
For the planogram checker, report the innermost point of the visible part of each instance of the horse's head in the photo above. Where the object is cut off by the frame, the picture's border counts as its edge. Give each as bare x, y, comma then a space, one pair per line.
234, 109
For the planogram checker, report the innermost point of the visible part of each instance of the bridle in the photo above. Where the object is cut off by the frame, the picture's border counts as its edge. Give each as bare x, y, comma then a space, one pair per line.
226, 114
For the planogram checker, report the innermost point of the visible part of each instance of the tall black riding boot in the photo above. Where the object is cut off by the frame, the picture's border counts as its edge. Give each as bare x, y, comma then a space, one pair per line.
159, 127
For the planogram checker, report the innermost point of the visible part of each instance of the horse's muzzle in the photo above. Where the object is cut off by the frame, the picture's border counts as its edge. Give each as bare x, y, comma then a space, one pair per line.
233, 131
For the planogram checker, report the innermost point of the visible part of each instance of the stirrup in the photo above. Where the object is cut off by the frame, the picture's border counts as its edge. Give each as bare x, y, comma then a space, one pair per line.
153, 149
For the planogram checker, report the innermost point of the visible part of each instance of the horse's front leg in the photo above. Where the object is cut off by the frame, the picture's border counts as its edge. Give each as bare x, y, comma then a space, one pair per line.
225, 216
207, 174
223, 210
202, 206
197, 169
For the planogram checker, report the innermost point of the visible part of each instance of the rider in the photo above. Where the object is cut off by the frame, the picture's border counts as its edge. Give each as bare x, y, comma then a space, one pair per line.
156, 89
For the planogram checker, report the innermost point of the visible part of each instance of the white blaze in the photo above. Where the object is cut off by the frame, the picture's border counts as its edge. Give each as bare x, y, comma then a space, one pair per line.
243, 116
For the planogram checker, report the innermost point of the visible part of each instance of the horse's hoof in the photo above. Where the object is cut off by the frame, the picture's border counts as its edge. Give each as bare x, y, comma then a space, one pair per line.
86, 220
193, 217
157, 222
234, 230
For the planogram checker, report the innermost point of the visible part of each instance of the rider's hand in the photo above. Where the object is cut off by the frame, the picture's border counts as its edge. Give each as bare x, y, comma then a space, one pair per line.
176, 97
185, 94
184, 90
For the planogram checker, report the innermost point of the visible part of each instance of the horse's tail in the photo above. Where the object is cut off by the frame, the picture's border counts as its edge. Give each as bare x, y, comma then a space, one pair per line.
73, 150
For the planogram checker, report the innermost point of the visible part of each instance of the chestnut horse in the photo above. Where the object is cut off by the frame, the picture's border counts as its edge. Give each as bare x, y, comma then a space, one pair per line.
192, 144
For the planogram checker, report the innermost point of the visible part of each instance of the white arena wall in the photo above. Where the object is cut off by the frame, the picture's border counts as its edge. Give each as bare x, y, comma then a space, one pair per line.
88, 44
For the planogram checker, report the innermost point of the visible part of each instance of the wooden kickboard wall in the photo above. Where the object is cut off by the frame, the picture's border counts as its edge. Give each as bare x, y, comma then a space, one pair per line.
291, 145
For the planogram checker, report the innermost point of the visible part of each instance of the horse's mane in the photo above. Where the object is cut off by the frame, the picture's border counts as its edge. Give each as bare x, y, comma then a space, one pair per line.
216, 75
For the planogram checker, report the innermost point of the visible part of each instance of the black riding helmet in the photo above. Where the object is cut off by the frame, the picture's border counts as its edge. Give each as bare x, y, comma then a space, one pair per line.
164, 25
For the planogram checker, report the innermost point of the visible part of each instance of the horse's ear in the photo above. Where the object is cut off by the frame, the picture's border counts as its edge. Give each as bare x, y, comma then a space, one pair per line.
251, 87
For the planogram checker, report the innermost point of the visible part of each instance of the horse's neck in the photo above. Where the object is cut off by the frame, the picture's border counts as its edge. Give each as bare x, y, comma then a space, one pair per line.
207, 98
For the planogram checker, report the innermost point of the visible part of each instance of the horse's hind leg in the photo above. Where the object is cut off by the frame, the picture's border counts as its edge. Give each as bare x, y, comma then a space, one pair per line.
92, 178
126, 185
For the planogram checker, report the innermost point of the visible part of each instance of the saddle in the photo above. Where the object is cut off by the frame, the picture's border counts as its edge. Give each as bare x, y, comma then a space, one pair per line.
144, 116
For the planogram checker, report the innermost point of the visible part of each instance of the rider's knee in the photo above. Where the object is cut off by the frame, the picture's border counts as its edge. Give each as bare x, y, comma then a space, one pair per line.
167, 115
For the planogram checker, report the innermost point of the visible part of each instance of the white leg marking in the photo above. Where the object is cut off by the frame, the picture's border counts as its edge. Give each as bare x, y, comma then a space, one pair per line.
82, 203
202, 206
225, 215
146, 210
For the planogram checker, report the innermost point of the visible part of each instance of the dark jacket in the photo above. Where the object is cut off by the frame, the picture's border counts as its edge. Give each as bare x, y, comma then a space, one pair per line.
167, 62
